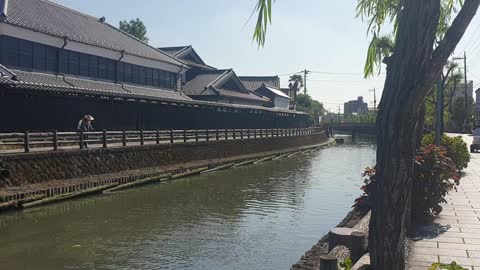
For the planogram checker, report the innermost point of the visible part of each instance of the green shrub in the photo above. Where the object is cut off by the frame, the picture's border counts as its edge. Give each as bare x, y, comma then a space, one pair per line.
457, 149
432, 179
452, 266
346, 264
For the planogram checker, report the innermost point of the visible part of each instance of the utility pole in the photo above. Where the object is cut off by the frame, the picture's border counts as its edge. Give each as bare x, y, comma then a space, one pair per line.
374, 98
305, 72
465, 115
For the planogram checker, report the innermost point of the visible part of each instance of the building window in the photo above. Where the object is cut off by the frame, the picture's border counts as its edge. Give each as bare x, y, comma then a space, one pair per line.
84, 65
93, 66
128, 73
155, 77
149, 76
50, 59
18, 53
121, 72
12, 51
39, 57
73, 63
135, 74
102, 68
26, 54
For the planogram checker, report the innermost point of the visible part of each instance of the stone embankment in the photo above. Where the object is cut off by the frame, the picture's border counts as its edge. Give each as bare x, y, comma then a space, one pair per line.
55, 174
340, 243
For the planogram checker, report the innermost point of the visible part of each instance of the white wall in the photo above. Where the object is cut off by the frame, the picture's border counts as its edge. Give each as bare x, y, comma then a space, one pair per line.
281, 102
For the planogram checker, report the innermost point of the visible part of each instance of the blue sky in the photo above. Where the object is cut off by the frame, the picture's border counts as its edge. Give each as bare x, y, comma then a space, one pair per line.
319, 35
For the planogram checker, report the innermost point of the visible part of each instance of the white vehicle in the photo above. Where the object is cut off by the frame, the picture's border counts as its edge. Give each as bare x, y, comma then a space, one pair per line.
475, 146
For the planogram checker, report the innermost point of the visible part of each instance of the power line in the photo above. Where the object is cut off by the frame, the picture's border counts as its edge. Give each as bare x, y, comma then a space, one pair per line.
471, 38
340, 73
288, 74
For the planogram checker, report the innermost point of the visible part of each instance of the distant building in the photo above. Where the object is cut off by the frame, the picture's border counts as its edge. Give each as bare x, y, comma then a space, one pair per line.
280, 99
267, 86
252, 83
355, 106
222, 86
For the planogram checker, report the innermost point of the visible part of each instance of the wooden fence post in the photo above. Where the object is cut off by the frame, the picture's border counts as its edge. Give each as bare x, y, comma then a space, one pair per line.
104, 138
357, 247
196, 135
248, 133
328, 262
157, 136
207, 135
171, 135
234, 136
124, 137
241, 133
142, 141
81, 139
55, 140
217, 137
26, 142
184, 135
226, 134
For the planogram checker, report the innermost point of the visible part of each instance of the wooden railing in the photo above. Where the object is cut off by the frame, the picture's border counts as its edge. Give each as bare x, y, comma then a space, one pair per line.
47, 141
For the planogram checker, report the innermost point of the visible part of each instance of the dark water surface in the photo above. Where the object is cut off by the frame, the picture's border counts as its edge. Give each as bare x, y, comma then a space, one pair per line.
263, 216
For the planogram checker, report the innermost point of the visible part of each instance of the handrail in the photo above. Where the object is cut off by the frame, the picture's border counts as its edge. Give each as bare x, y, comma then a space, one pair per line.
56, 140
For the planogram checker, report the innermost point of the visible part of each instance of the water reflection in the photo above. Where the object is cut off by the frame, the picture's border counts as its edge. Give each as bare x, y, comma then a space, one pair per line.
257, 217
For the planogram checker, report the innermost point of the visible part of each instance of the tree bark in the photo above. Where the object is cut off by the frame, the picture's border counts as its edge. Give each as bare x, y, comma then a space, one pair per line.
413, 68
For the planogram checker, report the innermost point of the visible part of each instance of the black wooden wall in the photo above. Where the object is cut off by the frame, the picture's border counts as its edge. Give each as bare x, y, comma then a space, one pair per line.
37, 112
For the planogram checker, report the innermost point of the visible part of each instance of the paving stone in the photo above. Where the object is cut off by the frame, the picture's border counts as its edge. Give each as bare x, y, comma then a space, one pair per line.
423, 243
452, 246
423, 258
440, 251
460, 260
446, 240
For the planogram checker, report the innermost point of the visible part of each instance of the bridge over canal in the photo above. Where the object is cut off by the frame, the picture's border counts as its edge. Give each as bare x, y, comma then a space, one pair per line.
351, 128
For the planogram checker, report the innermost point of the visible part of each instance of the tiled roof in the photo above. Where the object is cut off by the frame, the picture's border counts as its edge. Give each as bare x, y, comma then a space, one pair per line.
252, 83
173, 51
250, 96
53, 19
277, 91
210, 83
199, 85
58, 83
188, 55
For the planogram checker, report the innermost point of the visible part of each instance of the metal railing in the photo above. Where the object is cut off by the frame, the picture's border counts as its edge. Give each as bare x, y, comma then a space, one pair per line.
48, 141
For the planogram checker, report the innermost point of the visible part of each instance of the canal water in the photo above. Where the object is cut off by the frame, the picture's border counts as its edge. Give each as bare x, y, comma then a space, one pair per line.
263, 216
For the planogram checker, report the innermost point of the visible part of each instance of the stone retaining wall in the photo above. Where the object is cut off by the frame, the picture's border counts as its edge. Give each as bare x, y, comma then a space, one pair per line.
48, 166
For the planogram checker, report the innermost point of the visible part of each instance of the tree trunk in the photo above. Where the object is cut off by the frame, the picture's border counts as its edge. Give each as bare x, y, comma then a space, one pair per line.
411, 71
399, 112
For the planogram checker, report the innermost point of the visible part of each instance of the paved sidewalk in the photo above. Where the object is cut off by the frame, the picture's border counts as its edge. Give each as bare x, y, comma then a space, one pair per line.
455, 234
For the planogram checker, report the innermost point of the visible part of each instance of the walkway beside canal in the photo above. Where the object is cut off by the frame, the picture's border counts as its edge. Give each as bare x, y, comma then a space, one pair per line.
455, 234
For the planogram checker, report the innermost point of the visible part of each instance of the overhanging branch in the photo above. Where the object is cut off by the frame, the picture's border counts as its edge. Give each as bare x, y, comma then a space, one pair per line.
452, 36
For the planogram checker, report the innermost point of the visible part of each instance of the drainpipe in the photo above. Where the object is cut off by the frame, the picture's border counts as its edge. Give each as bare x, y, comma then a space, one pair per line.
65, 41
122, 52
178, 75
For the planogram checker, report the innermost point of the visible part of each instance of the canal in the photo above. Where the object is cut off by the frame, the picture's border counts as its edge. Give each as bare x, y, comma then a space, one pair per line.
263, 216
